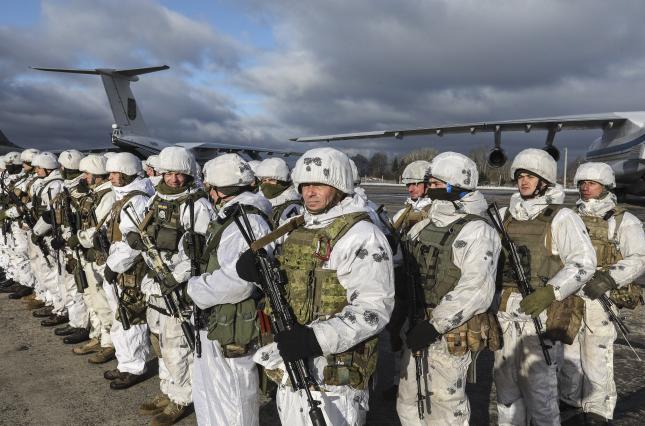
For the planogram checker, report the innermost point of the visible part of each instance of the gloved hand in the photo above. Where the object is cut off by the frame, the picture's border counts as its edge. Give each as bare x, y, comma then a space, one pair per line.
298, 343
3, 215
422, 335
110, 275
246, 267
90, 255
35, 238
73, 242
57, 243
47, 218
200, 242
168, 284
539, 300
598, 285
134, 241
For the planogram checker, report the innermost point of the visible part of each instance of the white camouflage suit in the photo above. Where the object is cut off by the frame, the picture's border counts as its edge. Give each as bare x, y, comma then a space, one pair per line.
526, 385
586, 379
132, 346
176, 359
225, 390
363, 262
99, 292
474, 252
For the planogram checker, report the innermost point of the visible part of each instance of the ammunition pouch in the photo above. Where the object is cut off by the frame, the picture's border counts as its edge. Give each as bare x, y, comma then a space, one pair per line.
167, 239
564, 318
629, 296
478, 333
132, 277
134, 302
354, 367
70, 264
235, 327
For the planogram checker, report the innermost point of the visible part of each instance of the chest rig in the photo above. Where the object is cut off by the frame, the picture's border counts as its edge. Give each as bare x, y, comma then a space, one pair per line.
233, 325
533, 239
37, 200
276, 212
86, 205
432, 255
315, 293
113, 220
410, 217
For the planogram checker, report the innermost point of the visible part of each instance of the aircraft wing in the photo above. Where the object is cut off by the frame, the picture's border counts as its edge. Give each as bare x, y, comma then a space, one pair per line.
552, 124
209, 150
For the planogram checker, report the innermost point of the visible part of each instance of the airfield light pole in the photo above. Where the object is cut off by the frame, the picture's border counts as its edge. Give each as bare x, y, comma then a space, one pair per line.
564, 182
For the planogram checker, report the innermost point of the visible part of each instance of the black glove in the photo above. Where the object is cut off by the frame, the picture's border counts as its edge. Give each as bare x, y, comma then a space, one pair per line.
600, 283
47, 218
110, 275
57, 243
134, 241
298, 343
168, 284
200, 242
36, 239
246, 267
73, 242
90, 255
422, 335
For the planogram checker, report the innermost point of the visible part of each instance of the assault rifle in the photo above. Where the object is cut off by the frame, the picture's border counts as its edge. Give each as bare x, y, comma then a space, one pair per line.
522, 282
160, 271
104, 247
56, 234
421, 373
282, 317
194, 271
608, 305
73, 226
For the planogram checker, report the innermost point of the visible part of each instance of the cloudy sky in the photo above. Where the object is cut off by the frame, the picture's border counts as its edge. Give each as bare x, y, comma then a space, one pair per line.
259, 72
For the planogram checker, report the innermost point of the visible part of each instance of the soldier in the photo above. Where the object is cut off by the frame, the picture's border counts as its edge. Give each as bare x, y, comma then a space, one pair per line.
93, 207
586, 378
44, 191
558, 258
345, 260
454, 252
125, 269
167, 217
225, 379
151, 169
417, 205
276, 186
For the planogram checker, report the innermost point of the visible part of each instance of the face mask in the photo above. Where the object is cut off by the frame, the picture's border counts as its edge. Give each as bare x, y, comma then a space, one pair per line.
449, 193
272, 190
82, 186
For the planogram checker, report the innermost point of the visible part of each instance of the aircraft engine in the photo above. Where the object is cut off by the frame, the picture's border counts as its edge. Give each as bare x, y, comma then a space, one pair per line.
553, 151
497, 157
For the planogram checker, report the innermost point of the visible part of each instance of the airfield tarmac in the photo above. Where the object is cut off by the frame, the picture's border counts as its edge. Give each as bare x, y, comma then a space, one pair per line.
43, 383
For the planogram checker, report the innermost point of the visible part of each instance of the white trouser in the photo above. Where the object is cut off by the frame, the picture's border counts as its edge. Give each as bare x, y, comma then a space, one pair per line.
586, 377
48, 277
225, 390
132, 346
101, 316
20, 256
34, 261
74, 304
527, 388
446, 383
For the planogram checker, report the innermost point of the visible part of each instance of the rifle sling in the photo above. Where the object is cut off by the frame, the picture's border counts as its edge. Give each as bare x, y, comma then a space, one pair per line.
279, 232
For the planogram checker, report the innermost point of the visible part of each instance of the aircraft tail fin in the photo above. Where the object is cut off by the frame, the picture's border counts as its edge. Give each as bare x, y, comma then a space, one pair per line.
125, 110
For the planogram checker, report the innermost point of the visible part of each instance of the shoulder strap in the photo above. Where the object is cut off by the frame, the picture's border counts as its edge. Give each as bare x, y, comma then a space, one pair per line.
118, 206
402, 216
344, 223
272, 236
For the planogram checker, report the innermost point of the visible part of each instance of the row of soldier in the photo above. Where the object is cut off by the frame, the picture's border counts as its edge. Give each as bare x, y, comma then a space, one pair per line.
161, 265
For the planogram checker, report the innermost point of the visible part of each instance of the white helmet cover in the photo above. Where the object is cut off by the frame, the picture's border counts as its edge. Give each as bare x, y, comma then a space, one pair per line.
355, 175
254, 164
273, 168
536, 161
455, 169
45, 160
176, 159
324, 165
3, 165
28, 155
93, 164
123, 162
153, 161
415, 172
70, 159
228, 170
12, 157
597, 172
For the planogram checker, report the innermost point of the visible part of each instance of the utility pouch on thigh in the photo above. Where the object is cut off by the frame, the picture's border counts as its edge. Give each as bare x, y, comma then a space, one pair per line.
81, 284
457, 340
352, 368
134, 302
132, 277
563, 319
235, 327
629, 296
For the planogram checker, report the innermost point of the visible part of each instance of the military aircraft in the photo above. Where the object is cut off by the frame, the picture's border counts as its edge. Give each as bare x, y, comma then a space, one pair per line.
129, 131
621, 144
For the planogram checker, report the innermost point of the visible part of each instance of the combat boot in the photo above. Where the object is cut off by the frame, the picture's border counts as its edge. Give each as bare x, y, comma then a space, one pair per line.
170, 414
79, 335
154, 407
35, 304
11, 288
43, 312
112, 374
54, 320
594, 419
102, 356
22, 292
89, 348
65, 330
126, 380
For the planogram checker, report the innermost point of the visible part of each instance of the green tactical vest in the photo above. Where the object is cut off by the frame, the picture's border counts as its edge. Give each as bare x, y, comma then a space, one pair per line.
233, 325
432, 252
113, 219
276, 212
409, 218
39, 207
607, 250
87, 204
314, 292
533, 240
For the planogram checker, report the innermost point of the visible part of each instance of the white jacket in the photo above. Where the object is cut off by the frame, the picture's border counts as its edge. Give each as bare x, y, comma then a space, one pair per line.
570, 240
101, 211
50, 185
